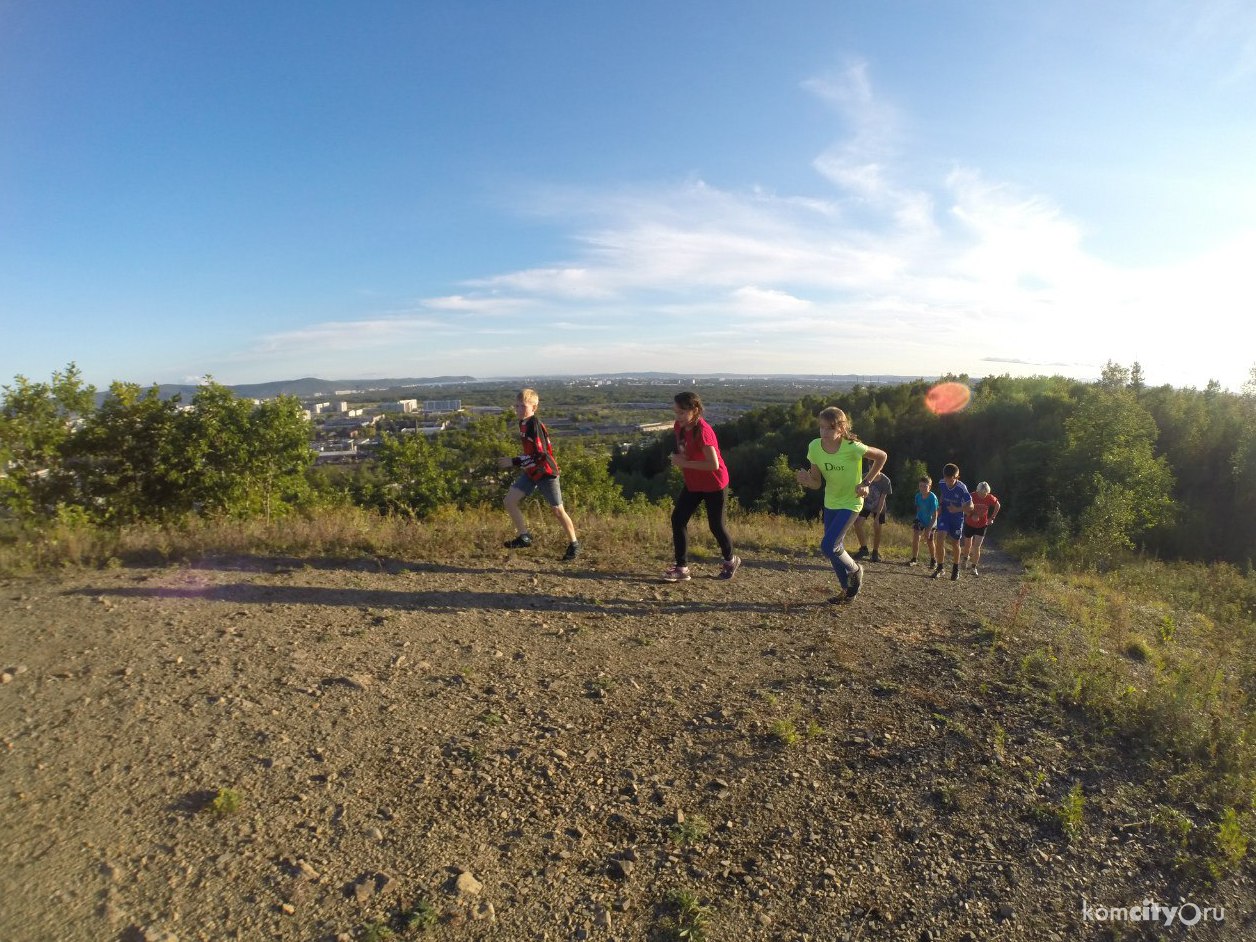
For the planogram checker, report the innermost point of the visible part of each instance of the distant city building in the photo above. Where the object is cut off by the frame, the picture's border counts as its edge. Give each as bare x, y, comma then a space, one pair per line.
320, 407
442, 405
343, 406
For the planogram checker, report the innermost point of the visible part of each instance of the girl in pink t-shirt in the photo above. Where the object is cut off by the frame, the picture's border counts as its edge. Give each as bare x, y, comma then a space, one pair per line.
706, 482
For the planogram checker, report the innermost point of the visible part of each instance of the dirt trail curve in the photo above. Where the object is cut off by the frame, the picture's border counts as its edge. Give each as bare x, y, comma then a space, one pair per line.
512, 742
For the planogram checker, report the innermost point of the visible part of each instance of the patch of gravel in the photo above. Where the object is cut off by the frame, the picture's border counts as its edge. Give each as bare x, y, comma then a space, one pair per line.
544, 751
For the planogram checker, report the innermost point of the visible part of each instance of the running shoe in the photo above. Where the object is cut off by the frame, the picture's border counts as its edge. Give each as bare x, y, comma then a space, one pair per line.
975, 572
912, 562
729, 567
937, 571
875, 557
955, 572
573, 550
856, 582
861, 553
677, 574
932, 562
522, 541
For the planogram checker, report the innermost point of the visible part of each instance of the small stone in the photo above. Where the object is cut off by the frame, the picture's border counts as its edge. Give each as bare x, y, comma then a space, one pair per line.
288, 909
467, 884
364, 888
484, 912
620, 869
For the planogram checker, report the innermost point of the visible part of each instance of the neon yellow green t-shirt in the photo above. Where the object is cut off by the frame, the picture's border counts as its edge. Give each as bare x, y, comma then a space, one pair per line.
842, 473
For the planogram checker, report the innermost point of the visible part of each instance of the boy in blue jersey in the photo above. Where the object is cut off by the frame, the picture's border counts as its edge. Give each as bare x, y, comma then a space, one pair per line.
954, 501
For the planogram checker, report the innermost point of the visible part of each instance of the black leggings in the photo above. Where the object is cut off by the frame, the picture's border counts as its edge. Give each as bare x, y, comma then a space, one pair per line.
687, 502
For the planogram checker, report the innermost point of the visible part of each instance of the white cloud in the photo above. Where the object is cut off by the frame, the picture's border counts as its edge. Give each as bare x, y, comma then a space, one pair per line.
873, 277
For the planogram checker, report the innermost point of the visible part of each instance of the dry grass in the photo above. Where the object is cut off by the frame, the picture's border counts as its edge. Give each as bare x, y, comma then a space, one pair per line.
352, 531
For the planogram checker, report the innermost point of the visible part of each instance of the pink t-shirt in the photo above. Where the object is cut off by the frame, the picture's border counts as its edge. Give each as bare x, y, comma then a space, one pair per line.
692, 442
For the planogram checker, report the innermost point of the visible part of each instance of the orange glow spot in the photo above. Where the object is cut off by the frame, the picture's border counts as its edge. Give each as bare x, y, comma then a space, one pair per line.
946, 398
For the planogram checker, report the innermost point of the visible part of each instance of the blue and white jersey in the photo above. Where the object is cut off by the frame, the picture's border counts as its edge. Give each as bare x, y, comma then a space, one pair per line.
953, 498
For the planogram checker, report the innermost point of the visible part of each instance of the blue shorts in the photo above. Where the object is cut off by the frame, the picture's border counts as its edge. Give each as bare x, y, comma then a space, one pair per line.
547, 486
952, 525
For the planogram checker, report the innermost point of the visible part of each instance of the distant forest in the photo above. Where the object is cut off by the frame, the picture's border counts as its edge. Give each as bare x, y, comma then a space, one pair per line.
1096, 469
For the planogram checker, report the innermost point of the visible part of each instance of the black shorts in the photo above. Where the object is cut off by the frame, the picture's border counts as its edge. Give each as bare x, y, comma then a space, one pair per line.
974, 531
878, 517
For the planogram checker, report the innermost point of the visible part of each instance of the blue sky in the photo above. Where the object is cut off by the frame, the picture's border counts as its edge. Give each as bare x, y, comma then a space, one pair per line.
263, 191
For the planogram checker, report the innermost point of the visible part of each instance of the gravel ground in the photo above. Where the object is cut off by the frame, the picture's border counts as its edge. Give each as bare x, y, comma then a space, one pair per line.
527, 750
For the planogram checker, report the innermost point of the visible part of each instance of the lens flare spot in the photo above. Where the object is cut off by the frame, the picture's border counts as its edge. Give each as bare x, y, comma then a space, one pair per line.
946, 398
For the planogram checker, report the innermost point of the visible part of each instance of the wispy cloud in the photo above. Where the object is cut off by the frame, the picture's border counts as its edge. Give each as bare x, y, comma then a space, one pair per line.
891, 270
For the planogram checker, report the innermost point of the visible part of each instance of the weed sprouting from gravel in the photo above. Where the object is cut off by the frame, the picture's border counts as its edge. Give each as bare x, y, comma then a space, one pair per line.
688, 920
1069, 812
785, 732
690, 830
421, 917
226, 801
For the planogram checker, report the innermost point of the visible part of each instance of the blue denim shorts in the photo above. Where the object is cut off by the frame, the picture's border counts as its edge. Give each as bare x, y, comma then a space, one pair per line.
548, 488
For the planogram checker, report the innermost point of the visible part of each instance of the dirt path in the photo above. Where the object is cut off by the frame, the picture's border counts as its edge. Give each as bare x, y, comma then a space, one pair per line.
512, 742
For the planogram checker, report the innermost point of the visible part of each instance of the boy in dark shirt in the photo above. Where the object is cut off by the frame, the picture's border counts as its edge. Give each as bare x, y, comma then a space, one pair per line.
539, 473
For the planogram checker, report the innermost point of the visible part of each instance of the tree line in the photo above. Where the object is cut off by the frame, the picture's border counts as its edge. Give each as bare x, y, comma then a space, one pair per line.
1095, 468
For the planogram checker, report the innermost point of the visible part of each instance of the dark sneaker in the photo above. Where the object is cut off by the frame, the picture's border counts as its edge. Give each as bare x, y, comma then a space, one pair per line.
677, 574
975, 572
856, 582
729, 567
875, 557
522, 541
932, 562
861, 553
573, 550
955, 572
912, 562
937, 571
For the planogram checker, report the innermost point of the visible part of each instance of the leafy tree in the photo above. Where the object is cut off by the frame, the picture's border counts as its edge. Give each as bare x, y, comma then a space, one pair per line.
1244, 468
238, 458
126, 454
587, 483
1120, 488
470, 454
277, 456
37, 421
781, 493
416, 476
